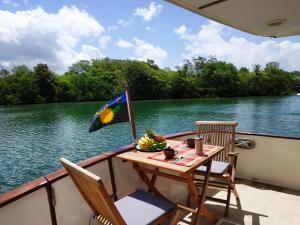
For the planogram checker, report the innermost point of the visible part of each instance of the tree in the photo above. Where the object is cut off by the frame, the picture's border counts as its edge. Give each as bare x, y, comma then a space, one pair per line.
295, 75
142, 81
220, 79
257, 69
80, 67
243, 70
24, 78
102, 79
3, 72
278, 82
45, 82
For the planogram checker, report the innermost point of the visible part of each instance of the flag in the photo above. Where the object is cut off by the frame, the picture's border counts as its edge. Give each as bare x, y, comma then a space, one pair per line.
115, 111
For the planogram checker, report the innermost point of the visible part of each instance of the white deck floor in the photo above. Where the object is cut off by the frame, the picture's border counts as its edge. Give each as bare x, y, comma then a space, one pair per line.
259, 205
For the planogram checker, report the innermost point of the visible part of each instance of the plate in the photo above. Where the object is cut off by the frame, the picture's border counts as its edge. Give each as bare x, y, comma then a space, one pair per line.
157, 150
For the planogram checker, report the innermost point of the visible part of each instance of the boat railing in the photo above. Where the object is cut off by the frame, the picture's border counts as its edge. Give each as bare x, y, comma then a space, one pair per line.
41, 182
53, 187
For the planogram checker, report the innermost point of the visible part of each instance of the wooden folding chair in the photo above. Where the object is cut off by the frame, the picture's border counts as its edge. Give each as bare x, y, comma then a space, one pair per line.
138, 208
220, 133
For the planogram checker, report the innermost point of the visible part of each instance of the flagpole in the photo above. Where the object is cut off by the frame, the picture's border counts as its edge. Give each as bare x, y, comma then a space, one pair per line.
129, 106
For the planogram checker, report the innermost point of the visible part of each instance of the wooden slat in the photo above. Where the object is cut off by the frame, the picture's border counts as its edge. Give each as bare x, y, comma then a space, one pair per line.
93, 191
226, 123
220, 133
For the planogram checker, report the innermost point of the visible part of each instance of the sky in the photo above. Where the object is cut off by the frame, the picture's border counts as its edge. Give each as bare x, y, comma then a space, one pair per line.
62, 32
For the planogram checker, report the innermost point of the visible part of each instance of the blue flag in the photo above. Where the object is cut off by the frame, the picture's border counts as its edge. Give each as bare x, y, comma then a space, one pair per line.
115, 111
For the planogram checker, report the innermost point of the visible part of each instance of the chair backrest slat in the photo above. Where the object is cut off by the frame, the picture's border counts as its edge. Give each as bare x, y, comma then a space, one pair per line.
220, 133
93, 191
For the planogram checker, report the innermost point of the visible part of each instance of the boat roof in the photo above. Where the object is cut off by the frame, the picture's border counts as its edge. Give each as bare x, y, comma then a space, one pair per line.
272, 18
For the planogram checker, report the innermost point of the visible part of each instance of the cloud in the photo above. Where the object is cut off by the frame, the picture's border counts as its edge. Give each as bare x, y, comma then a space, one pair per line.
144, 50
104, 41
11, 3
112, 28
124, 44
58, 39
212, 40
124, 23
149, 29
89, 52
181, 30
148, 13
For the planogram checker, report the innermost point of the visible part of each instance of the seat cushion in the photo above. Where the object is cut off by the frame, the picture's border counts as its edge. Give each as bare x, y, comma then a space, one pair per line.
216, 168
141, 208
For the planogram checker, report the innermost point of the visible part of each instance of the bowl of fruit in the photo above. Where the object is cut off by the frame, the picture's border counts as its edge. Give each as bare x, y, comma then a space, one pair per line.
151, 142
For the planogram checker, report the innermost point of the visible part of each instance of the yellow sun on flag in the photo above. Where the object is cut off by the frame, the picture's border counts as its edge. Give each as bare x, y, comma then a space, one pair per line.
106, 115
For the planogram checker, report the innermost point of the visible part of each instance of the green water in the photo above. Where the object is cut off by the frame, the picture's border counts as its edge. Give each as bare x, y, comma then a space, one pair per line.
34, 137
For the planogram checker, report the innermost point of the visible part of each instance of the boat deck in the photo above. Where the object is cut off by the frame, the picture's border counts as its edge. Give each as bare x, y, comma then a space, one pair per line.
259, 204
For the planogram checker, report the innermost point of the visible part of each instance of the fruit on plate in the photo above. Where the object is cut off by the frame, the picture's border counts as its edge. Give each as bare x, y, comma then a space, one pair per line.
154, 136
152, 141
145, 142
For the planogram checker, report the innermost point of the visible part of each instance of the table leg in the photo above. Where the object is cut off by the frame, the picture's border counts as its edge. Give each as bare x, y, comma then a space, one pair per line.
201, 209
146, 179
199, 202
153, 179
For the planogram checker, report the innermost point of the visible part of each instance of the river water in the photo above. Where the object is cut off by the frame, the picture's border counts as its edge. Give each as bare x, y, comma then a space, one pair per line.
34, 137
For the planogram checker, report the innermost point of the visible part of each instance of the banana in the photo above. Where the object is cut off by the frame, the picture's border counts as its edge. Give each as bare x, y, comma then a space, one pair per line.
145, 142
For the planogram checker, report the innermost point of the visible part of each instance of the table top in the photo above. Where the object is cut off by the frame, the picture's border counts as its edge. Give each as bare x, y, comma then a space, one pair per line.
142, 157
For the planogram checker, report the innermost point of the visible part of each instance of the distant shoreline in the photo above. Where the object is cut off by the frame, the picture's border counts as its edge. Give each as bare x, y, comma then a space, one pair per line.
104, 79
159, 100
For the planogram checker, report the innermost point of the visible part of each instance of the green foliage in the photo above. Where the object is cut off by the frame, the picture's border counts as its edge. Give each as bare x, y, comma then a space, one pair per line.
80, 67
45, 82
103, 79
296, 80
144, 82
220, 79
3, 72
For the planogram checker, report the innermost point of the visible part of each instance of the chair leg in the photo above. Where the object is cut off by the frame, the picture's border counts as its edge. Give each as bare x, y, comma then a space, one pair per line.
188, 201
228, 201
236, 194
176, 217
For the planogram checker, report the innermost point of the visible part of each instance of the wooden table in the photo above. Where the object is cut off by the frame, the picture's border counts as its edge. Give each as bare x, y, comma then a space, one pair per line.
183, 174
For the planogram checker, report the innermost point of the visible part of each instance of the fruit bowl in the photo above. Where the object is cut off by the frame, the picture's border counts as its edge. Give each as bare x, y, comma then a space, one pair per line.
151, 150
151, 142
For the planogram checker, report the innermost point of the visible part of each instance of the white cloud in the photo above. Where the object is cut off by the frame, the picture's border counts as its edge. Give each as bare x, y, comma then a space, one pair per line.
124, 44
148, 13
89, 52
112, 28
104, 41
59, 39
11, 3
124, 23
211, 40
181, 30
144, 51
149, 29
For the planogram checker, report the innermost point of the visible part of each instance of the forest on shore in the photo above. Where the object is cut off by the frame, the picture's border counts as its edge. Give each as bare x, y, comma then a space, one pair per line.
103, 79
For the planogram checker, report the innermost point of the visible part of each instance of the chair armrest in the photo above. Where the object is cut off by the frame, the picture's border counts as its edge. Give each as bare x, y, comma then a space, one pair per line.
185, 208
233, 154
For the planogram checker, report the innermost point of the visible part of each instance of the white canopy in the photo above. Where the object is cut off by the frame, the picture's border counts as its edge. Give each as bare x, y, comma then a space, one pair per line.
275, 18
